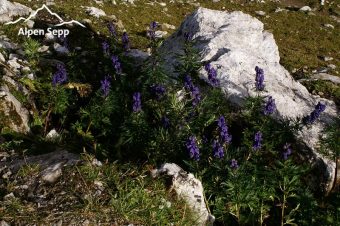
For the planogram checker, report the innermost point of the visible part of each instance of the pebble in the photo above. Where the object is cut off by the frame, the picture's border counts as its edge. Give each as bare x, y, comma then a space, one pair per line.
331, 66
327, 58
2, 58
4, 223
9, 196
52, 173
260, 13
305, 9
30, 23
329, 26
43, 49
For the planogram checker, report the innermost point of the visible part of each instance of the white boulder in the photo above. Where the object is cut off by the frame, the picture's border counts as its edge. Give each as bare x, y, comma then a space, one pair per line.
188, 188
235, 43
8, 10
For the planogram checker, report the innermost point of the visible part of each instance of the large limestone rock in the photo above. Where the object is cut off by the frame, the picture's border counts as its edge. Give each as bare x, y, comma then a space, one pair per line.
8, 10
235, 43
189, 189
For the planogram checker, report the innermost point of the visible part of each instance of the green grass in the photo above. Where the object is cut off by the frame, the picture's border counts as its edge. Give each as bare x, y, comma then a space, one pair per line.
128, 195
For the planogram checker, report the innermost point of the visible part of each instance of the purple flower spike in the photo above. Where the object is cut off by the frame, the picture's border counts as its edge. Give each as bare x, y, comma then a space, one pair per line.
270, 106
116, 64
106, 48
105, 86
218, 149
259, 79
224, 134
152, 30
112, 29
234, 164
193, 149
287, 151
60, 76
157, 91
194, 90
126, 41
257, 141
137, 103
212, 75
319, 108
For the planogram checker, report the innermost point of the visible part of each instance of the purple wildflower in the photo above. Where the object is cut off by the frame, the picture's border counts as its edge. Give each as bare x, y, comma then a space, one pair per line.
105, 86
116, 64
112, 29
193, 149
218, 149
106, 47
126, 41
165, 122
187, 36
224, 135
287, 151
259, 78
60, 76
257, 141
319, 108
137, 103
234, 164
270, 106
152, 30
194, 90
212, 75
157, 91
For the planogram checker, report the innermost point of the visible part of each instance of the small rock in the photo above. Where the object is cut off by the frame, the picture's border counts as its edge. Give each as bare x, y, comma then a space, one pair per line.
13, 63
163, 4
61, 50
25, 70
166, 26
327, 58
52, 135
59, 223
119, 24
51, 174
328, 77
160, 34
50, 2
7, 175
9, 196
260, 13
4, 223
2, 58
331, 66
214, 1
320, 93
305, 9
8, 45
86, 223
277, 10
329, 26
49, 37
93, 11
311, 14
96, 162
31, 76
87, 21
43, 49
30, 23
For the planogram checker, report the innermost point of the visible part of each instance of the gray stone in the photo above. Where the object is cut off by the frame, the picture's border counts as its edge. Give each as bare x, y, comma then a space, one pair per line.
331, 66
2, 58
9, 196
61, 50
260, 13
188, 188
52, 173
43, 49
327, 58
329, 26
16, 117
166, 26
52, 135
8, 45
305, 9
4, 223
328, 77
160, 34
93, 11
235, 43
138, 55
8, 10
30, 23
